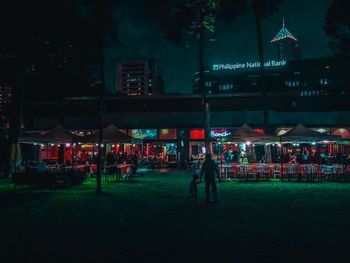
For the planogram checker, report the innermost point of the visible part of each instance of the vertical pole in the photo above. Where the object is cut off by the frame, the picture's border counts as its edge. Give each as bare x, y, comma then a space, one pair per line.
142, 149
342, 159
100, 115
261, 84
17, 114
205, 103
281, 157
99, 154
207, 127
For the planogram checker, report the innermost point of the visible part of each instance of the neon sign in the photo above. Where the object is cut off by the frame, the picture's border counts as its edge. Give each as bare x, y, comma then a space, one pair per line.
248, 65
220, 133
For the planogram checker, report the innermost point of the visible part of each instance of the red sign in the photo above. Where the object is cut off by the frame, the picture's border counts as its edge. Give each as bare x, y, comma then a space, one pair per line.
197, 134
261, 131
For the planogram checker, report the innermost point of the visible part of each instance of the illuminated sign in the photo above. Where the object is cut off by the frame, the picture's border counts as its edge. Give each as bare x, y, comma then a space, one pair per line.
197, 134
248, 65
150, 134
220, 133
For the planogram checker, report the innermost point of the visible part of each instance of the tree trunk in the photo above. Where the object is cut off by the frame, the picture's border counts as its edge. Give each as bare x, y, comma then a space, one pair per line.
202, 88
100, 116
261, 84
17, 106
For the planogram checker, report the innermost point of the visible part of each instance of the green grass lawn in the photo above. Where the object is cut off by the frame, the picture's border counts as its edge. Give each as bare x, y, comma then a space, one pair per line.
150, 220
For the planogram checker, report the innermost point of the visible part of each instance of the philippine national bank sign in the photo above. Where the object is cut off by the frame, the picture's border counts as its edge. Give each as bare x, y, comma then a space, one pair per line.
248, 65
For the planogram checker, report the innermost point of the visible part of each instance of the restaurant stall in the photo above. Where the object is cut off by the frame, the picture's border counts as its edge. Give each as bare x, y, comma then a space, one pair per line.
112, 139
49, 168
241, 148
303, 156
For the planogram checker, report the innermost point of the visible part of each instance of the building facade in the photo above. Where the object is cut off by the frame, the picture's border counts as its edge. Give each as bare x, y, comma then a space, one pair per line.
307, 77
287, 45
140, 77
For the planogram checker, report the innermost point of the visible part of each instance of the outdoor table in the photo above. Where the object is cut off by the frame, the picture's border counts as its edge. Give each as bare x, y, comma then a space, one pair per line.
124, 168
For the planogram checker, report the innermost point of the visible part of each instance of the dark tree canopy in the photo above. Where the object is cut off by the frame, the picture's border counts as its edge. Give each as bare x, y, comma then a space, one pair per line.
176, 16
338, 27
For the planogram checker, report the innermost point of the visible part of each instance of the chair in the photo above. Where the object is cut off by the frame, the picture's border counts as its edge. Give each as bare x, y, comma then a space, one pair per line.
309, 172
293, 171
286, 172
318, 175
339, 172
252, 172
276, 171
87, 171
264, 172
243, 173
300, 172
330, 172
234, 169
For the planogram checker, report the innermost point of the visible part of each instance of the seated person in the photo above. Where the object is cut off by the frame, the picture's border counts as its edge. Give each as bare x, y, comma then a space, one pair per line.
67, 157
41, 167
83, 157
293, 160
243, 159
262, 160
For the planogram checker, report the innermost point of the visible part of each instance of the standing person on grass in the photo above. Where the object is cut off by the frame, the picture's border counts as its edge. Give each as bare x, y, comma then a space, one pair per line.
193, 188
209, 170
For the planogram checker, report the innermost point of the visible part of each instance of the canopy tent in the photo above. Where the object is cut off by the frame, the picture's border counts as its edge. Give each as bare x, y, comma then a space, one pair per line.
246, 133
58, 135
111, 134
302, 134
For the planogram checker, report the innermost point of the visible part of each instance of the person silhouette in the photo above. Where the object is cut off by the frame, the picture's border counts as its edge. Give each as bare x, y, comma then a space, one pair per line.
193, 188
209, 170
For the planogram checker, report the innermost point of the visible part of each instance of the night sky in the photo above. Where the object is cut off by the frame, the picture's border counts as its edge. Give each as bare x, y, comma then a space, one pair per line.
140, 37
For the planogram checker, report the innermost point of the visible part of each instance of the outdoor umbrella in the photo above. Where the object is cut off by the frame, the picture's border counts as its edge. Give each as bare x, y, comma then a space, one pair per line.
110, 134
302, 134
58, 135
246, 133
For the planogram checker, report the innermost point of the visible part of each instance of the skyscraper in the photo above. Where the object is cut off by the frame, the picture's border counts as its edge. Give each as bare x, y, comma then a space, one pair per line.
287, 44
140, 77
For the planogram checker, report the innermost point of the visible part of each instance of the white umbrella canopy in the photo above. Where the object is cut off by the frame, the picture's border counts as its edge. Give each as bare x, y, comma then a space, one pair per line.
300, 133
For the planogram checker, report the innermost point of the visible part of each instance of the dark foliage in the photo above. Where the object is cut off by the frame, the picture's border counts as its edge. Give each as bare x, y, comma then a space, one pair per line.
176, 17
338, 27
